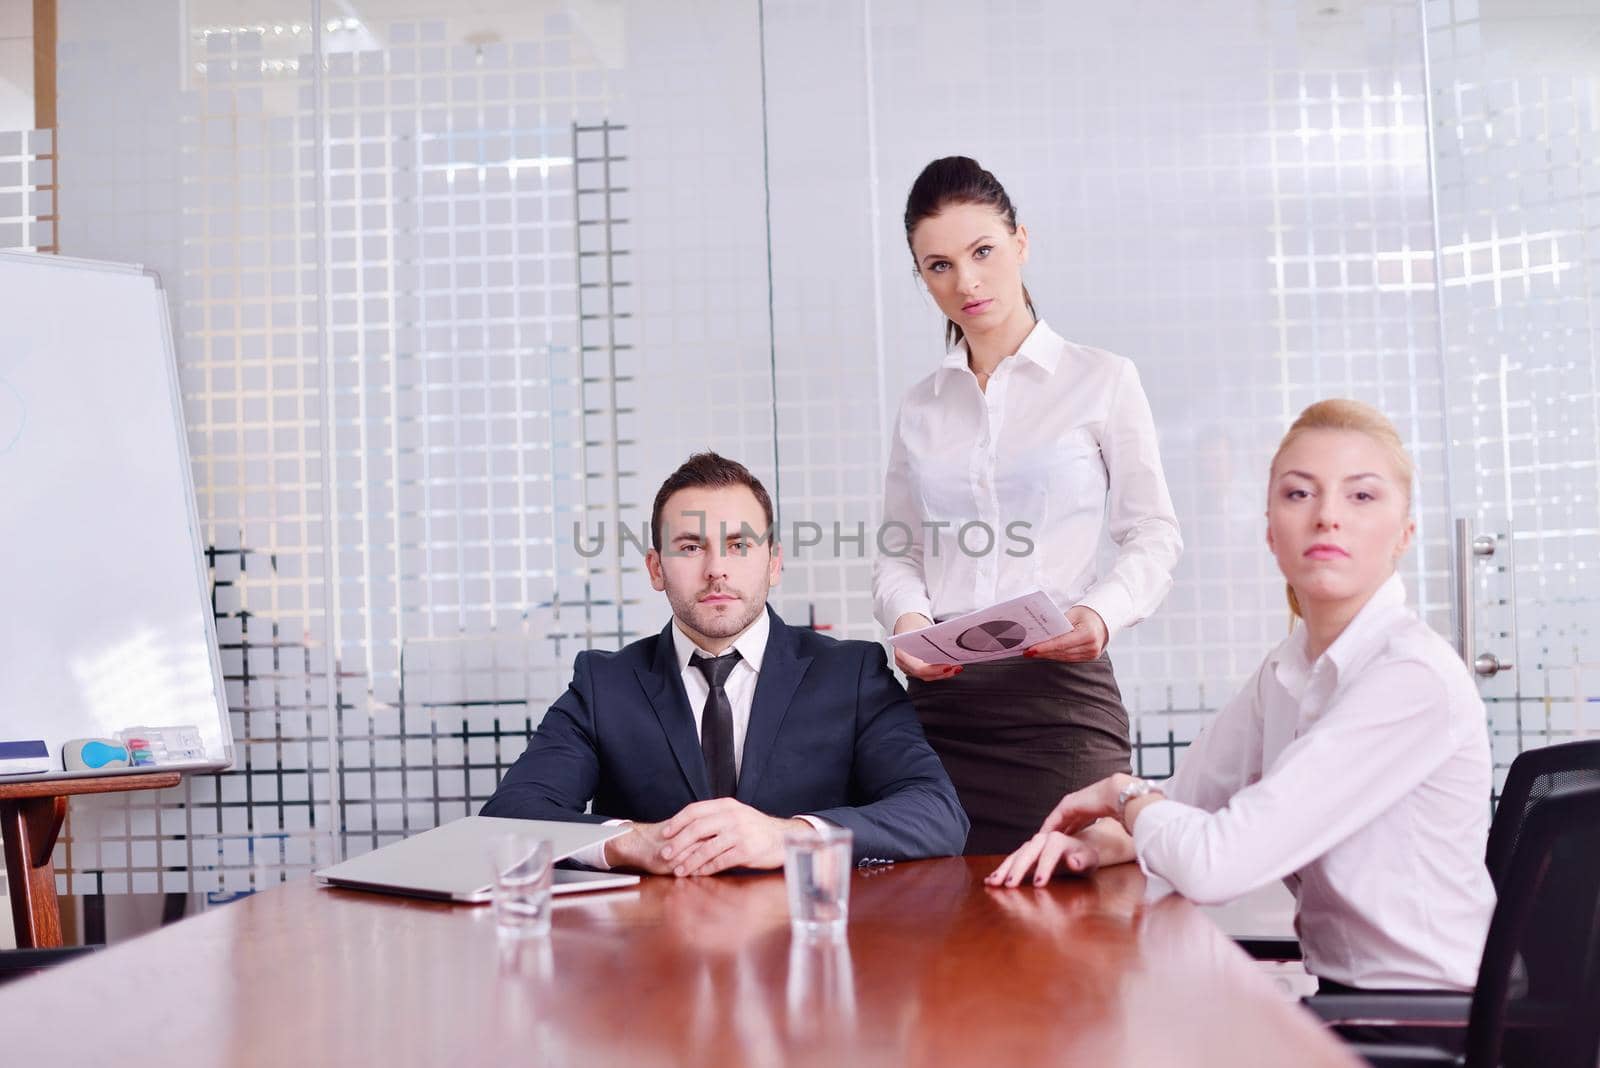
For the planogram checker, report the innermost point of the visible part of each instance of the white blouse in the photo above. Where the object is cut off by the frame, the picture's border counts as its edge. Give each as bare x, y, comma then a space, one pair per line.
1362, 781
993, 493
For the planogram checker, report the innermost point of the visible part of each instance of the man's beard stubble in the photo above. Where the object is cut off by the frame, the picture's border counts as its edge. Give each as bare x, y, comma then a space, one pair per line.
708, 621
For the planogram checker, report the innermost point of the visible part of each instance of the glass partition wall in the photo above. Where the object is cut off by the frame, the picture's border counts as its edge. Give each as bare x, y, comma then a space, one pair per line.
455, 289
1515, 91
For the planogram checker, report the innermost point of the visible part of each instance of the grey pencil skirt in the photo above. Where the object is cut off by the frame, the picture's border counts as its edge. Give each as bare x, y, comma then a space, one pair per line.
1016, 735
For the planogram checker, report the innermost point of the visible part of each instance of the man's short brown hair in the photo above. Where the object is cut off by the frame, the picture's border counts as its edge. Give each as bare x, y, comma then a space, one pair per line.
707, 469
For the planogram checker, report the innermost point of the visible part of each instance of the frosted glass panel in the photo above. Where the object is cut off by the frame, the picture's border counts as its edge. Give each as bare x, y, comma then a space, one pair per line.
507, 269
1235, 197
1518, 151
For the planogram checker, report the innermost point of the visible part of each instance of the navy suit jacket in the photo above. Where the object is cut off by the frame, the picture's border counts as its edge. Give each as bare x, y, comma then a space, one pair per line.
832, 734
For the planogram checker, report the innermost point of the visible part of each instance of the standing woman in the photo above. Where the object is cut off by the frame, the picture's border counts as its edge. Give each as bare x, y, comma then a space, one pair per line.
1010, 464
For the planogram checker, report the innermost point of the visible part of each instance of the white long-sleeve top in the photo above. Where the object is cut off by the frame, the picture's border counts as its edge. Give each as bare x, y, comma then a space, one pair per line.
1362, 781
1058, 450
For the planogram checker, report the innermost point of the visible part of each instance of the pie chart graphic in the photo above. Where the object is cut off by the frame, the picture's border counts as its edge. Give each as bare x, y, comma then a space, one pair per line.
994, 636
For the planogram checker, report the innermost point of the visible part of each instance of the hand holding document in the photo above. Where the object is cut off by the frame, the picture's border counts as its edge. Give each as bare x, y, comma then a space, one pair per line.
993, 633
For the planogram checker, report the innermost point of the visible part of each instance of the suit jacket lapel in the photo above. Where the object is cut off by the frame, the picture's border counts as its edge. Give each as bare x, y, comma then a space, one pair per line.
781, 672
663, 685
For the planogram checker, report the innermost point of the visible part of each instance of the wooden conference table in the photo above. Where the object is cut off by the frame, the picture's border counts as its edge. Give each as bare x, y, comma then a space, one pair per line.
937, 969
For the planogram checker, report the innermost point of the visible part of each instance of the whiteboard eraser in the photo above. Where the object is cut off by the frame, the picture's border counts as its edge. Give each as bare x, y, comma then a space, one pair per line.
90, 754
24, 758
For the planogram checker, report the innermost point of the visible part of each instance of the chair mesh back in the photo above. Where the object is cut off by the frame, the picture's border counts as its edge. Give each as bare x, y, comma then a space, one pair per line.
1547, 927
1534, 775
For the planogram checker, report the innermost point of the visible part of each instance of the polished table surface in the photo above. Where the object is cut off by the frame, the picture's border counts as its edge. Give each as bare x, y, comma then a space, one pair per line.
937, 969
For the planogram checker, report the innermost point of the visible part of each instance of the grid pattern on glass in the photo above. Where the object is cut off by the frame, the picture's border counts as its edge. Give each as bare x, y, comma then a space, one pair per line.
691, 93
270, 812
1254, 245
1518, 171
486, 647
1342, 173
212, 192
28, 190
463, 253
828, 400
1258, 231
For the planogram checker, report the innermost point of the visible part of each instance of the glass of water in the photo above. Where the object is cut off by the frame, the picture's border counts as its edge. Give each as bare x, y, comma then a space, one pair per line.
816, 868
522, 879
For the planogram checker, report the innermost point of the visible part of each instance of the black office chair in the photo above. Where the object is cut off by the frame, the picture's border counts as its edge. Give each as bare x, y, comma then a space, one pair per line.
1531, 778
1534, 775
1537, 1000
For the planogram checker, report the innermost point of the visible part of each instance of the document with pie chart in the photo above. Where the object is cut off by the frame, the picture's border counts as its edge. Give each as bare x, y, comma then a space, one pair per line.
993, 633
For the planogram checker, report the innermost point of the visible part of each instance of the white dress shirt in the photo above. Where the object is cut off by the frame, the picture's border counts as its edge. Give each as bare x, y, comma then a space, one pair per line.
1362, 781
740, 687
1061, 443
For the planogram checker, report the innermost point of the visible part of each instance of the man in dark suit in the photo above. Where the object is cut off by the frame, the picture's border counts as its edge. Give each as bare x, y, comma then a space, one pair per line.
729, 727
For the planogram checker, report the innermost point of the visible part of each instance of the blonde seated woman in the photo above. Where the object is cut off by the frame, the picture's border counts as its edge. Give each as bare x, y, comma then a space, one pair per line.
1354, 765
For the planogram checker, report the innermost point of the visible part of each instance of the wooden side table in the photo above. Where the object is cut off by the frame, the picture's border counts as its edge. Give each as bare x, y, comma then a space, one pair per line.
31, 814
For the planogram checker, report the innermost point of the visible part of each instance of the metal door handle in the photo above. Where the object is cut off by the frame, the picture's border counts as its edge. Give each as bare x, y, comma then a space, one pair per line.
1488, 665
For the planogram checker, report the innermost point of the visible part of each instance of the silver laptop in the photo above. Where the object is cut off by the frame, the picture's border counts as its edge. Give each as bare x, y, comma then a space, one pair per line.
451, 863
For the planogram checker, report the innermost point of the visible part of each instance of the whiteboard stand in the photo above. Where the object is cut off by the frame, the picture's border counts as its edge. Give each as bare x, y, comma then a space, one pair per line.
31, 814
108, 623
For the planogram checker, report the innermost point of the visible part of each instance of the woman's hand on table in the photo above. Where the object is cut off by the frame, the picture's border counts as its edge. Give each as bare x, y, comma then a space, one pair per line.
1085, 641
913, 666
1042, 855
1054, 846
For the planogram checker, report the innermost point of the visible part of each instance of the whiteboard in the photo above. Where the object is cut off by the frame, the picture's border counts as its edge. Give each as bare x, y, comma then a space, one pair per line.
105, 613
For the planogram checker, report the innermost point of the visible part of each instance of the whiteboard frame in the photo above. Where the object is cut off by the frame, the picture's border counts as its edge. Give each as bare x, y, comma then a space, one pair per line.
196, 539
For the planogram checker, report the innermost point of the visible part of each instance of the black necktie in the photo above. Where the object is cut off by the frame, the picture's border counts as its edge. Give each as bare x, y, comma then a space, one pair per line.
716, 722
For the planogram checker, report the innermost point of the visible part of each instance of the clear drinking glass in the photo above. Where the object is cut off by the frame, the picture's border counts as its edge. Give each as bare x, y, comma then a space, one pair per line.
816, 869
522, 879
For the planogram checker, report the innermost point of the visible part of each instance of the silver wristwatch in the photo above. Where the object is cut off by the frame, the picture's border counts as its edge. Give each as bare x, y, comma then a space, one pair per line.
1136, 788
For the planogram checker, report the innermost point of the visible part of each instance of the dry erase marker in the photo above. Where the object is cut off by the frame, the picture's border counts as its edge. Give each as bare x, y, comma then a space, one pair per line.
24, 758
